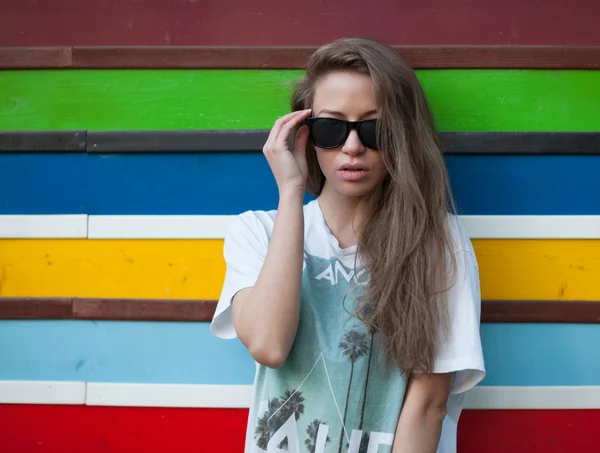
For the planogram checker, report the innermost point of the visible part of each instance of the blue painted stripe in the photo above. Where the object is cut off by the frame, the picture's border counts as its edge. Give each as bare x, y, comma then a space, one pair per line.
233, 183
146, 352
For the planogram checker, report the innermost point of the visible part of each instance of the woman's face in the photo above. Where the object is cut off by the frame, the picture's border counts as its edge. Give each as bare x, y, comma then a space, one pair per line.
352, 169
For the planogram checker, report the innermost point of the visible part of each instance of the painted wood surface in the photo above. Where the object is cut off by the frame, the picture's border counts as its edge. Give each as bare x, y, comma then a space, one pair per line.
113, 22
462, 100
195, 269
180, 184
201, 310
72, 429
292, 57
187, 353
209, 396
252, 141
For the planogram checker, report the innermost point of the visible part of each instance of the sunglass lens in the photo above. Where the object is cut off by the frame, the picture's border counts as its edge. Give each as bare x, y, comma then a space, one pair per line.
328, 132
368, 134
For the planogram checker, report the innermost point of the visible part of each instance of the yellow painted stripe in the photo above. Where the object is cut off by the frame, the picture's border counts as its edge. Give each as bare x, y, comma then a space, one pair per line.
112, 268
509, 269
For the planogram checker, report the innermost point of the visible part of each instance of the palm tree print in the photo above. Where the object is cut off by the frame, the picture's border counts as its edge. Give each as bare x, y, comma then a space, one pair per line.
364, 403
273, 419
293, 405
261, 431
313, 431
353, 346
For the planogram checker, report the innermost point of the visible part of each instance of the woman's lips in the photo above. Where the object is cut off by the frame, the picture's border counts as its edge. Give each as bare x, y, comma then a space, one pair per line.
352, 172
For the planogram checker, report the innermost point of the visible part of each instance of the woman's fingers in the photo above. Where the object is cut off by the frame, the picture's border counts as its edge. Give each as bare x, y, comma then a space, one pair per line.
289, 125
282, 128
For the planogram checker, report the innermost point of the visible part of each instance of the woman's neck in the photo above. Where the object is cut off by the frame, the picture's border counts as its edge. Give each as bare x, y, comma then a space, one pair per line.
343, 215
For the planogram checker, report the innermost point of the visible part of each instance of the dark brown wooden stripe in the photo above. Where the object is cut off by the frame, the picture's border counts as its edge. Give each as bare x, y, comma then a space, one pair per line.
36, 308
35, 57
192, 57
42, 141
456, 143
282, 57
541, 311
493, 311
144, 309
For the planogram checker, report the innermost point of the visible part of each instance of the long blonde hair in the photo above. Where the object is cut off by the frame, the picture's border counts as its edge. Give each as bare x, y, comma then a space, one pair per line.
405, 237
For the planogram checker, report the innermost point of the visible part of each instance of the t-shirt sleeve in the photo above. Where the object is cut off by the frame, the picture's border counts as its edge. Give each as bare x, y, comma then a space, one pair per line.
245, 248
460, 352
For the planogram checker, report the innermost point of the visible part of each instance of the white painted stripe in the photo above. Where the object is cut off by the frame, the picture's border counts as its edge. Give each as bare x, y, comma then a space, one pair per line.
240, 396
42, 392
169, 395
215, 227
43, 226
582, 397
532, 227
158, 227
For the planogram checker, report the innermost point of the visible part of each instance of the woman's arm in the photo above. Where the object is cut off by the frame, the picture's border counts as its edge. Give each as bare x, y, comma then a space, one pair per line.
423, 411
266, 316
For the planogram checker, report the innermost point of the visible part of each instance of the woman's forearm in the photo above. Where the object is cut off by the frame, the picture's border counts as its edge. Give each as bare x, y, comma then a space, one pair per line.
423, 410
266, 315
418, 432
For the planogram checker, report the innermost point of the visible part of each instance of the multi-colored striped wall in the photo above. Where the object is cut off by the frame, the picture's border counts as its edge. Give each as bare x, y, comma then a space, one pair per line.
122, 165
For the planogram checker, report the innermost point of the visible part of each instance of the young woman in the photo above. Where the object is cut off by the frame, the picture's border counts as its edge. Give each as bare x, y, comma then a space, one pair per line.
360, 308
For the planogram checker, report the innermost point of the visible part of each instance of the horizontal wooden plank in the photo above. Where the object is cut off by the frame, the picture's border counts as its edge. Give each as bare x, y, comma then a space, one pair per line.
216, 227
223, 141
469, 100
42, 392
236, 396
421, 57
35, 307
44, 226
42, 141
214, 141
272, 22
513, 269
143, 310
219, 141
500, 143
35, 57
541, 311
282, 57
72, 429
191, 310
196, 184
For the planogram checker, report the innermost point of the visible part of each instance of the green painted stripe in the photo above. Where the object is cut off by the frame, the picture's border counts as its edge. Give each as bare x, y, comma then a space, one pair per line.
463, 100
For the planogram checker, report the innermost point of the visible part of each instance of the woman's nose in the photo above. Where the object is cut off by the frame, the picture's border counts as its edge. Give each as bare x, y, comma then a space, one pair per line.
353, 145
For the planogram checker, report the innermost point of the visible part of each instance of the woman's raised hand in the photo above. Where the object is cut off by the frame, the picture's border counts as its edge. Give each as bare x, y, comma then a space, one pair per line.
288, 166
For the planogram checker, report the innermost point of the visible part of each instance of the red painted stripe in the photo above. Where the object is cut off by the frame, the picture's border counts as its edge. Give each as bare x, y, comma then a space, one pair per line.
76, 429
280, 23
529, 431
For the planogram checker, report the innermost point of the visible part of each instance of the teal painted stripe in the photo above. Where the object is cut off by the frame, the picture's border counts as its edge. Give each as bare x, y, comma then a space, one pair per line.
147, 352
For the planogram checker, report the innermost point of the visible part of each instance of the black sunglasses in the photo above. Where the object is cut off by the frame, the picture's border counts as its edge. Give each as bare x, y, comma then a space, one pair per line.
330, 133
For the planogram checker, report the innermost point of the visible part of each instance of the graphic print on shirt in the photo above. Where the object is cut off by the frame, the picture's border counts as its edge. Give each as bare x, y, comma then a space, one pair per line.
335, 393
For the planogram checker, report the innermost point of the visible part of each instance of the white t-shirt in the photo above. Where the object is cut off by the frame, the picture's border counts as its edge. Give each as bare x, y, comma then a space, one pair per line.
335, 385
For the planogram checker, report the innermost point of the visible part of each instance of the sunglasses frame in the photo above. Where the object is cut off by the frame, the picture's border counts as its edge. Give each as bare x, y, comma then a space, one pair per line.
349, 126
